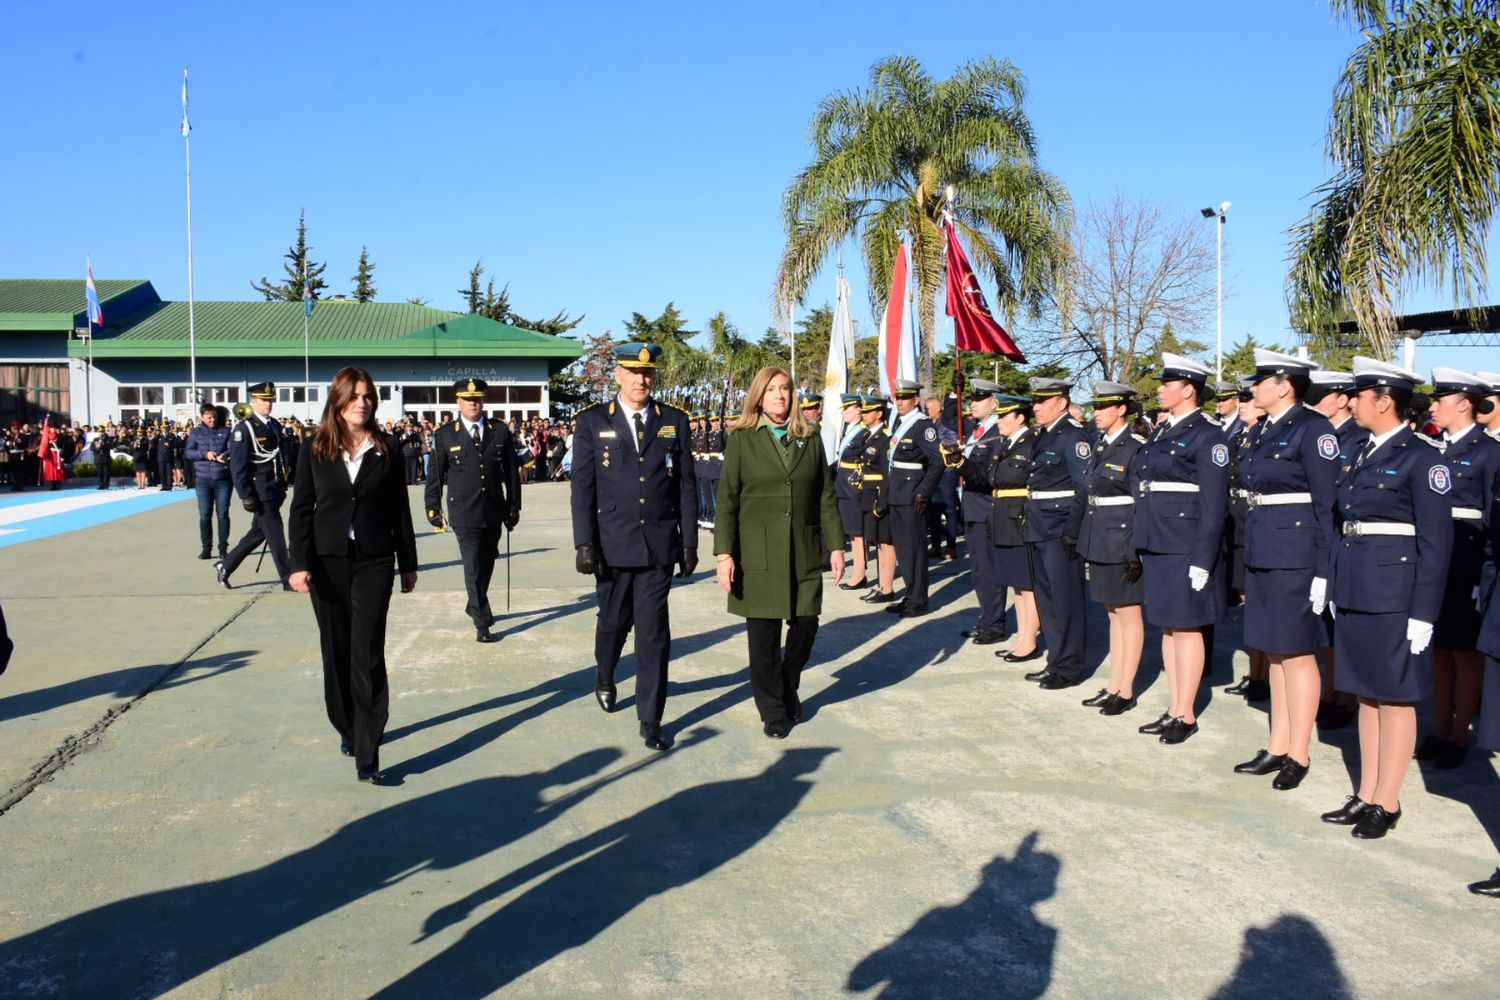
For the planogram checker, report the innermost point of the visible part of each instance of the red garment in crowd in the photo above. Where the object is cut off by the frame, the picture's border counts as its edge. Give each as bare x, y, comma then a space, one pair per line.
50, 457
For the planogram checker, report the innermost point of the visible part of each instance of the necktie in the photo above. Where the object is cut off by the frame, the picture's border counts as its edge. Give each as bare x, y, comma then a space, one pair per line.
1370, 447
640, 432
476, 433
978, 433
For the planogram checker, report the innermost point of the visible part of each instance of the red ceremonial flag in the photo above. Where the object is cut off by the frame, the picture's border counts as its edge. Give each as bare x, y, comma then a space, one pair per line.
974, 329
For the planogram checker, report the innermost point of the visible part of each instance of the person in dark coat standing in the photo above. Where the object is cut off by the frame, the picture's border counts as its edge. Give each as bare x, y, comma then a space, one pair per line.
1057, 494
1487, 726
475, 458
875, 524
1107, 542
1389, 573
258, 470
983, 444
1255, 685
1290, 473
208, 450
777, 515
635, 515
1183, 470
350, 522
166, 447
103, 448
914, 467
846, 478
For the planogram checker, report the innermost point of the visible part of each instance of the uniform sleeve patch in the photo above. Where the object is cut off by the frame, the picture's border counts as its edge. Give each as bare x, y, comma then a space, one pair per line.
1328, 447
1082, 449
1439, 479
1220, 454
931, 434
239, 436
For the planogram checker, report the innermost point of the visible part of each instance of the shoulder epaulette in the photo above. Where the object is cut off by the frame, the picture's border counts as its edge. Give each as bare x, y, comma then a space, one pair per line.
1212, 420
1426, 439
1137, 437
669, 406
1074, 422
595, 406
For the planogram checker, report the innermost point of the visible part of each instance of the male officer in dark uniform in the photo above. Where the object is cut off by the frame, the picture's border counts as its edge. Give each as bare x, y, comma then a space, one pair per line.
873, 462
101, 446
983, 444
258, 470
635, 514
713, 465
916, 465
846, 481
476, 459
1058, 494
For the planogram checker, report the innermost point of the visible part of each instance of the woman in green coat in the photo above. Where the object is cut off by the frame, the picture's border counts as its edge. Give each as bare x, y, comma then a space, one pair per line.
776, 516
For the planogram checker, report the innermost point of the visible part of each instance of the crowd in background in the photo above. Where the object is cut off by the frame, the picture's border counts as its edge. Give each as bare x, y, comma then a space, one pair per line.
542, 444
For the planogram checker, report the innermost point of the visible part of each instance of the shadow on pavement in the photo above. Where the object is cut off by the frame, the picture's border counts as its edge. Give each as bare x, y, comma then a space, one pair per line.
1290, 957
126, 683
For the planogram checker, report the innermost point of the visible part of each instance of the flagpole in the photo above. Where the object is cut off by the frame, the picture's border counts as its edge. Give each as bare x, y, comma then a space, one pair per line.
187, 153
88, 368
958, 356
306, 378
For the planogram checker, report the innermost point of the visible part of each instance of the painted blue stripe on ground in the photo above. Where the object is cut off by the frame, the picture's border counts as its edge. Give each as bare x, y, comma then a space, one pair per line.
75, 520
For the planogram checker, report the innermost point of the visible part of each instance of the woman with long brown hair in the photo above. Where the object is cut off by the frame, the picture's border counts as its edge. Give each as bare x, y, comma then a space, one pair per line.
349, 522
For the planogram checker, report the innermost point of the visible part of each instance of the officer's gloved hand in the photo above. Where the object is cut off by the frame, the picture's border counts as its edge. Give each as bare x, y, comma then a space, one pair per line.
920, 504
1419, 634
435, 518
251, 503
1070, 549
1197, 577
1132, 570
512, 519
585, 563
688, 564
1318, 595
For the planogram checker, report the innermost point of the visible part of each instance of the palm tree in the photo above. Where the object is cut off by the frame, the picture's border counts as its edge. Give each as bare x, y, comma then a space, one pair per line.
1414, 137
882, 159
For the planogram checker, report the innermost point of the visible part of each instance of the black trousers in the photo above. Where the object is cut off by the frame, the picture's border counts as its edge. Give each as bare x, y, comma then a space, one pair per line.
636, 597
909, 533
351, 597
1060, 605
413, 469
104, 474
164, 474
264, 527
478, 548
943, 515
987, 585
775, 675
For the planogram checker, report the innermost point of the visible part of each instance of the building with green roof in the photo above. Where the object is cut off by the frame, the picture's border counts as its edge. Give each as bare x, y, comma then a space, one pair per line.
137, 364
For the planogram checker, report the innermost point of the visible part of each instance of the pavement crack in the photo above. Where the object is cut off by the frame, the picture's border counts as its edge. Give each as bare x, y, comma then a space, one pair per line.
80, 743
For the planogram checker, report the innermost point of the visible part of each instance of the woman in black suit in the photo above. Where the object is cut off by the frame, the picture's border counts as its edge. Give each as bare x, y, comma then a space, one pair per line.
349, 521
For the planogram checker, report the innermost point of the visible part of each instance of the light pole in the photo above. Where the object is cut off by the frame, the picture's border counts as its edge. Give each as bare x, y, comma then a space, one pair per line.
1222, 213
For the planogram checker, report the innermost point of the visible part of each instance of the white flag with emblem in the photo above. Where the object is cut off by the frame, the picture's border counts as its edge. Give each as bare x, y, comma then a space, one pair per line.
836, 375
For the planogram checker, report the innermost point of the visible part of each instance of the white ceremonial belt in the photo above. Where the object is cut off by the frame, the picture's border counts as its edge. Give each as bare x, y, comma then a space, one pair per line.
909, 465
1110, 501
1239, 494
1150, 487
1468, 514
1050, 494
1278, 499
1357, 528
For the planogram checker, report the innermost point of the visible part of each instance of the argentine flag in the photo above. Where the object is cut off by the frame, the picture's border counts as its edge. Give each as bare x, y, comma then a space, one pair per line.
91, 294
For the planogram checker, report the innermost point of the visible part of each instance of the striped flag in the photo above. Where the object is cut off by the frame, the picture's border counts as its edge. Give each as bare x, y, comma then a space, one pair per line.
186, 128
307, 299
91, 294
897, 352
836, 375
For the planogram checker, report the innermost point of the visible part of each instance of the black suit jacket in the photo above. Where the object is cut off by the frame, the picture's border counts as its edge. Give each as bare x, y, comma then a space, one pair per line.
325, 503
484, 482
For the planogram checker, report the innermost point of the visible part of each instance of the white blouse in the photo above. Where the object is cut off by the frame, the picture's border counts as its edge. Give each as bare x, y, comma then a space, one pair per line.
351, 466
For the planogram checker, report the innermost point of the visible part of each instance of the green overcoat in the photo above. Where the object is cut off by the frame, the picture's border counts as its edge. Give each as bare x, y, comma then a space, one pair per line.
776, 512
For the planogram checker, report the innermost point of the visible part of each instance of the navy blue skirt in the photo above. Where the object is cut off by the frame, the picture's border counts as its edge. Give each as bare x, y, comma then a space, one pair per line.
1278, 616
1171, 602
1374, 658
1458, 623
852, 518
1012, 568
1107, 584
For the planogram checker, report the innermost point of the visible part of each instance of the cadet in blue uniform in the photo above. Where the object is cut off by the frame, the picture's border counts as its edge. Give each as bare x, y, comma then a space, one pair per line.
1331, 395
259, 472
872, 484
1183, 470
1389, 572
1055, 501
846, 489
476, 459
1006, 474
635, 514
1289, 472
1487, 728
983, 446
914, 468
1106, 542
1474, 460
1254, 686
713, 466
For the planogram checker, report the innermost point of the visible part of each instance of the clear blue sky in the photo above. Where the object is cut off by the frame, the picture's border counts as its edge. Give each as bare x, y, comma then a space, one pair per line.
605, 158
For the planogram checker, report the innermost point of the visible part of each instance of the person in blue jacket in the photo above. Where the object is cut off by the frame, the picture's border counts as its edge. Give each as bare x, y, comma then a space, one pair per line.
1183, 471
1389, 572
1289, 473
208, 449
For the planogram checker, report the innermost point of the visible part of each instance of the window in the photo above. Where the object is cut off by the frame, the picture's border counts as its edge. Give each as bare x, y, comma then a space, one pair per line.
181, 394
129, 395
417, 395
154, 395
525, 394
227, 394
385, 393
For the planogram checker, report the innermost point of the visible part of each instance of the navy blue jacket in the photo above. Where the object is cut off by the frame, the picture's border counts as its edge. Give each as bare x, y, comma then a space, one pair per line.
200, 441
256, 462
876, 445
1405, 481
917, 445
847, 474
978, 505
635, 509
1000, 465
1352, 441
1193, 452
1299, 453
1108, 533
484, 480
1059, 462
1475, 462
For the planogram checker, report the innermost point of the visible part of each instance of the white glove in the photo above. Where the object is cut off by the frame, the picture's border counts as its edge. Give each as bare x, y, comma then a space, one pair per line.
1197, 577
1333, 609
1420, 634
1318, 595
1478, 601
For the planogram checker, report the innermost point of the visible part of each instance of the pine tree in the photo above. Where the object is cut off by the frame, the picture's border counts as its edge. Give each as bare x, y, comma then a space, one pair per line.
364, 285
472, 293
300, 269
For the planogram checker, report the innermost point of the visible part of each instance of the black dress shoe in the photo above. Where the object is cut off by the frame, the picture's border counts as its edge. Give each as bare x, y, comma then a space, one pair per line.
1116, 705
1258, 691
1036, 675
775, 730
1056, 682
1487, 887
1240, 687
205, 554
1451, 756
1263, 762
1429, 748
372, 775
1291, 775
860, 585
344, 748
1104, 695
604, 693
989, 638
654, 737
1155, 728
1011, 657
1374, 822
895, 609
1177, 731
913, 611
220, 575
484, 635
878, 598
1347, 814
794, 710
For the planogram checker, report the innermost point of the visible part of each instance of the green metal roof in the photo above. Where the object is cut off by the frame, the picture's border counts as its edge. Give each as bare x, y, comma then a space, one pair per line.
48, 304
